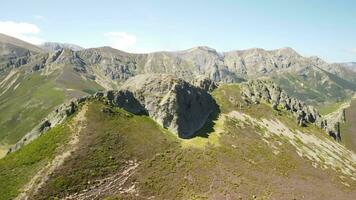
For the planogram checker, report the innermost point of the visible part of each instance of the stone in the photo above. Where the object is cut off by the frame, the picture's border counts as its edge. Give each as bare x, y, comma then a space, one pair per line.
205, 83
258, 90
172, 102
125, 99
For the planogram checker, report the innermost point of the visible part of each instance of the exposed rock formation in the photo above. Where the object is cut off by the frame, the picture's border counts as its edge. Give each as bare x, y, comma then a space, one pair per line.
266, 90
205, 83
255, 91
173, 103
311, 77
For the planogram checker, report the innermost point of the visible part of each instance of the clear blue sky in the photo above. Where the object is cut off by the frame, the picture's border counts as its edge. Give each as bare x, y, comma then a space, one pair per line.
312, 27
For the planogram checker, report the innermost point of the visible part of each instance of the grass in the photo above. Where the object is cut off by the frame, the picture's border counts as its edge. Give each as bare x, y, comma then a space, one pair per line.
37, 95
23, 108
17, 168
228, 97
110, 140
329, 108
105, 144
72, 80
231, 162
312, 90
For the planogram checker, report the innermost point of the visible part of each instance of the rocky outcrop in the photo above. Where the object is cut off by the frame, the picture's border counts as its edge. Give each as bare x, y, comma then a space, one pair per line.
334, 120
124, 99
256, 90
265, 90
205, 83
173, 103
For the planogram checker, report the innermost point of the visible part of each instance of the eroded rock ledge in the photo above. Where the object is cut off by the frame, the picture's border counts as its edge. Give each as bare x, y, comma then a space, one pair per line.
172, 102
255, 91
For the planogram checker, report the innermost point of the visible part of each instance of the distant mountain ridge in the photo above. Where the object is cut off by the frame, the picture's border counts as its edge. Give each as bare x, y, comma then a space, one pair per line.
64, 74
310, 78
55, 46
349, 65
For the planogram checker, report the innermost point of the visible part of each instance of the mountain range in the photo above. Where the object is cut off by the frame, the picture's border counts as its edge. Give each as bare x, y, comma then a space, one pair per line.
193, 124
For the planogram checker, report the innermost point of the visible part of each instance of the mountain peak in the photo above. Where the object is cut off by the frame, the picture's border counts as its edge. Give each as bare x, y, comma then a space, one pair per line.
202, 48
286, 51
54, 46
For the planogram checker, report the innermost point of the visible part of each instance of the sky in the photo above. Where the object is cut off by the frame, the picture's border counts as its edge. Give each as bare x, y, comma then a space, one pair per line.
326, 29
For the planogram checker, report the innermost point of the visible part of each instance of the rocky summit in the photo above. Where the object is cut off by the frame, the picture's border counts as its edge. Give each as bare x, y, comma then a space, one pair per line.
173, 103
101, 123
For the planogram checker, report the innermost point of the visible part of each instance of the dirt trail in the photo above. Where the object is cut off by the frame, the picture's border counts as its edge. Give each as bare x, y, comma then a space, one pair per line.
77, 124
110, 185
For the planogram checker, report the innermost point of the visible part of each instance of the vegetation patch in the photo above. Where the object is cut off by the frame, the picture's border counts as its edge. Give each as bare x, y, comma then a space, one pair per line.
24, 107
17, 168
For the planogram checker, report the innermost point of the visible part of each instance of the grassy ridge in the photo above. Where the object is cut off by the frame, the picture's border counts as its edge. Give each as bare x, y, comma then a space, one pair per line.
17, 168
240, 166
107, 142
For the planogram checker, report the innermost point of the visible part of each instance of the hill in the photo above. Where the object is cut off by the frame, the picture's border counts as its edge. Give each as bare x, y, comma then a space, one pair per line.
35, 83
248, 151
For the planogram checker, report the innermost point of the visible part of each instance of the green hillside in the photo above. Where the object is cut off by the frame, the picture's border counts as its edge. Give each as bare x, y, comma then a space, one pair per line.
26, 99
241, 154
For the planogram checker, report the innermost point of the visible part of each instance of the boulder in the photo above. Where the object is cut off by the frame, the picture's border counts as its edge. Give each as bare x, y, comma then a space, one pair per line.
172, 102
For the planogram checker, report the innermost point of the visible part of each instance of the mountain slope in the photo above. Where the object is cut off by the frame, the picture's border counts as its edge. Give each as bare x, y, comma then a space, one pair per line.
316, 86
30, 92
242, 154
312, 78
349, 65
12, 48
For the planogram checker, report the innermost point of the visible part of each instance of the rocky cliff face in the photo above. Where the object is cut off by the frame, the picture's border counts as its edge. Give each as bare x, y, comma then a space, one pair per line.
231, 66
172, 102
256, 91
308, 77
227, 67
205, 83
